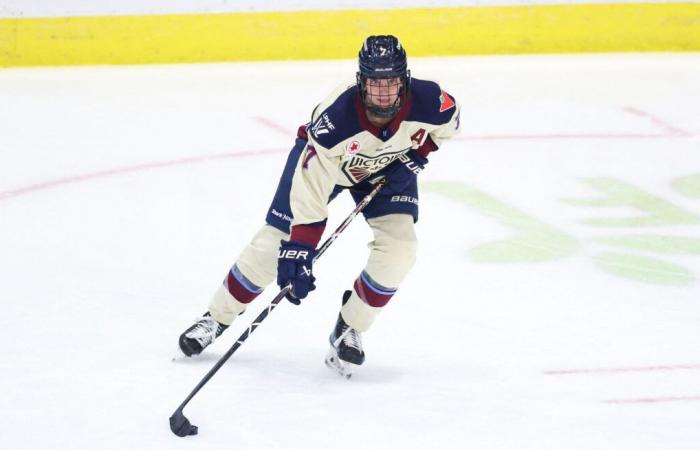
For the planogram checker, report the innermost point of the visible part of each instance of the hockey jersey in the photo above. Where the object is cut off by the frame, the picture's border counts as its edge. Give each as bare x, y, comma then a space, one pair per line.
344, 148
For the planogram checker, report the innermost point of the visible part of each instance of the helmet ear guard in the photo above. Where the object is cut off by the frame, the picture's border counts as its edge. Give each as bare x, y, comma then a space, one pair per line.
383, 57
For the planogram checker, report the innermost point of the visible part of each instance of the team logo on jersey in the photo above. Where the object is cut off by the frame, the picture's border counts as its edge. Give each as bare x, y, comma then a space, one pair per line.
352, 147
323, 125
358, 174
446, 101
360, 166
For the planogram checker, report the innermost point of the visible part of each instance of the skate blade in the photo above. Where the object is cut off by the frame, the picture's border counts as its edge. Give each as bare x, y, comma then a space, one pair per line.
342, 368
179, 356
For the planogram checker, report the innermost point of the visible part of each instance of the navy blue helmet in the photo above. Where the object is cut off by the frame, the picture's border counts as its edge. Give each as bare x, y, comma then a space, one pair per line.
383, 57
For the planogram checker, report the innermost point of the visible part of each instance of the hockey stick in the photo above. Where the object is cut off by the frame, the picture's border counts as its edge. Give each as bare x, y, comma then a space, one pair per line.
179, 424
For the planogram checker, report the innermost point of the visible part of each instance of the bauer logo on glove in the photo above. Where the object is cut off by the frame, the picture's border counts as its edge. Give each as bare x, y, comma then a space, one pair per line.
294, 267
294, 254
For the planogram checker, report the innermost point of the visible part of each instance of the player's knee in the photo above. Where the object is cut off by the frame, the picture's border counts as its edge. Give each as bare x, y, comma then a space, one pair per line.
252, 272
258, 260
393, 251
398, 256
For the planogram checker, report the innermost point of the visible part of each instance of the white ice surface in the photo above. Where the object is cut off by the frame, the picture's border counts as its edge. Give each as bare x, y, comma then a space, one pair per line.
127, 192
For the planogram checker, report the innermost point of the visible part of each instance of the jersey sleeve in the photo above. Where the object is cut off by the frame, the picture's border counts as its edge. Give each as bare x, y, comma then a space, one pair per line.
312, 184
451, 127
438, 110
318, 168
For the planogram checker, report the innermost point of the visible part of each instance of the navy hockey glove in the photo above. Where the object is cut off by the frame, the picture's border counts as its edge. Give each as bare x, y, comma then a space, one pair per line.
294, 265
399, 173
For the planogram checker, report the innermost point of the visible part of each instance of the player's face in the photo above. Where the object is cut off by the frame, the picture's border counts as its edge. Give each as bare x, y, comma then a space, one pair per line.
383, 92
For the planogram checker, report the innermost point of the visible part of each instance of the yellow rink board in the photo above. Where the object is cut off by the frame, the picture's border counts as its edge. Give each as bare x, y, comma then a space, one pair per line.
338, 34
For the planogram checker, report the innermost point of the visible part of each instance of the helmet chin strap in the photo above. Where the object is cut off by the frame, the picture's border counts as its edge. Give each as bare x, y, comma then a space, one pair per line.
383, 113
378, 120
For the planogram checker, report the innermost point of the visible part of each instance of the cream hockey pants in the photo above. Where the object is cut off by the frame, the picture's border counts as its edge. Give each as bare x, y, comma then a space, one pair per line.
392, 254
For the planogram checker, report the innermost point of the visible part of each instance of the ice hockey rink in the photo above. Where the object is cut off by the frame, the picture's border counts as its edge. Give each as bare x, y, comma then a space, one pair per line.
554, 304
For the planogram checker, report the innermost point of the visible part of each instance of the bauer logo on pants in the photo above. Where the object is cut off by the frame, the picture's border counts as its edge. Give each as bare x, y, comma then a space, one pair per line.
404, 199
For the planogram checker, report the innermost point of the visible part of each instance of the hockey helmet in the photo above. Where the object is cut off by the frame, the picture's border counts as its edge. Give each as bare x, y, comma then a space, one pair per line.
383, 57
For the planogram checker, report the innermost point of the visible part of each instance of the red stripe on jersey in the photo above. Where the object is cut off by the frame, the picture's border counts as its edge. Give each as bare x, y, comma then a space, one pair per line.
308, 234
427, 147
302, 133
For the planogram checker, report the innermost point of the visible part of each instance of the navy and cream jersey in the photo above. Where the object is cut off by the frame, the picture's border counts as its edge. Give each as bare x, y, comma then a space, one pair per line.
344, 148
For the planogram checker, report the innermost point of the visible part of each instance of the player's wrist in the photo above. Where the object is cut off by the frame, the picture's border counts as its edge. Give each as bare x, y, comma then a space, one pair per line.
309, 234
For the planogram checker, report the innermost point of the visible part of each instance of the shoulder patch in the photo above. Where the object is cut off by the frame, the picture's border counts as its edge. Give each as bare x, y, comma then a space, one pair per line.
446, 102
323, 125
430, 103
337, 122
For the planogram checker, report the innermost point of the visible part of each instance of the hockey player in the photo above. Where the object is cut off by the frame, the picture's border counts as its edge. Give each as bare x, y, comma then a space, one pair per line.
382, 126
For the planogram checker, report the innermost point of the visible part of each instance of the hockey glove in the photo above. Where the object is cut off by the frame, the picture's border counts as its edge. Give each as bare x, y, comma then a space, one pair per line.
294, 265
401, 172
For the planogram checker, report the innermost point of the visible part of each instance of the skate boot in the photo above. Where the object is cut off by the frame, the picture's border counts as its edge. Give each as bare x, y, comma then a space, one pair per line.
197, 337
345, 354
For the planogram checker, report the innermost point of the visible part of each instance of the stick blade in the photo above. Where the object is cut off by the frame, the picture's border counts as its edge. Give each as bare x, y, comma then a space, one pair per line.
181, 426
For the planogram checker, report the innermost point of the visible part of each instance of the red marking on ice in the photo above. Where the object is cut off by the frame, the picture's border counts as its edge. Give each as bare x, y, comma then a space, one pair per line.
603, 370
274, 126
496, 137
672, 132
676, 134
49, 184
658, 122
621, 401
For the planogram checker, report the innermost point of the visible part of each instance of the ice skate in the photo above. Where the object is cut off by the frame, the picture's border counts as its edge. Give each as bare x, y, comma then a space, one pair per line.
200, 335
345, 354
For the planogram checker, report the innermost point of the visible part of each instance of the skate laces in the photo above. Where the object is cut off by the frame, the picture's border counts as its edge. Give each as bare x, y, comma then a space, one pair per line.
204, 331
351, 338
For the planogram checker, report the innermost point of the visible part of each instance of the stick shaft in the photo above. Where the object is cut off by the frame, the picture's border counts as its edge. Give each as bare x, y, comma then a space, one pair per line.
273, 304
